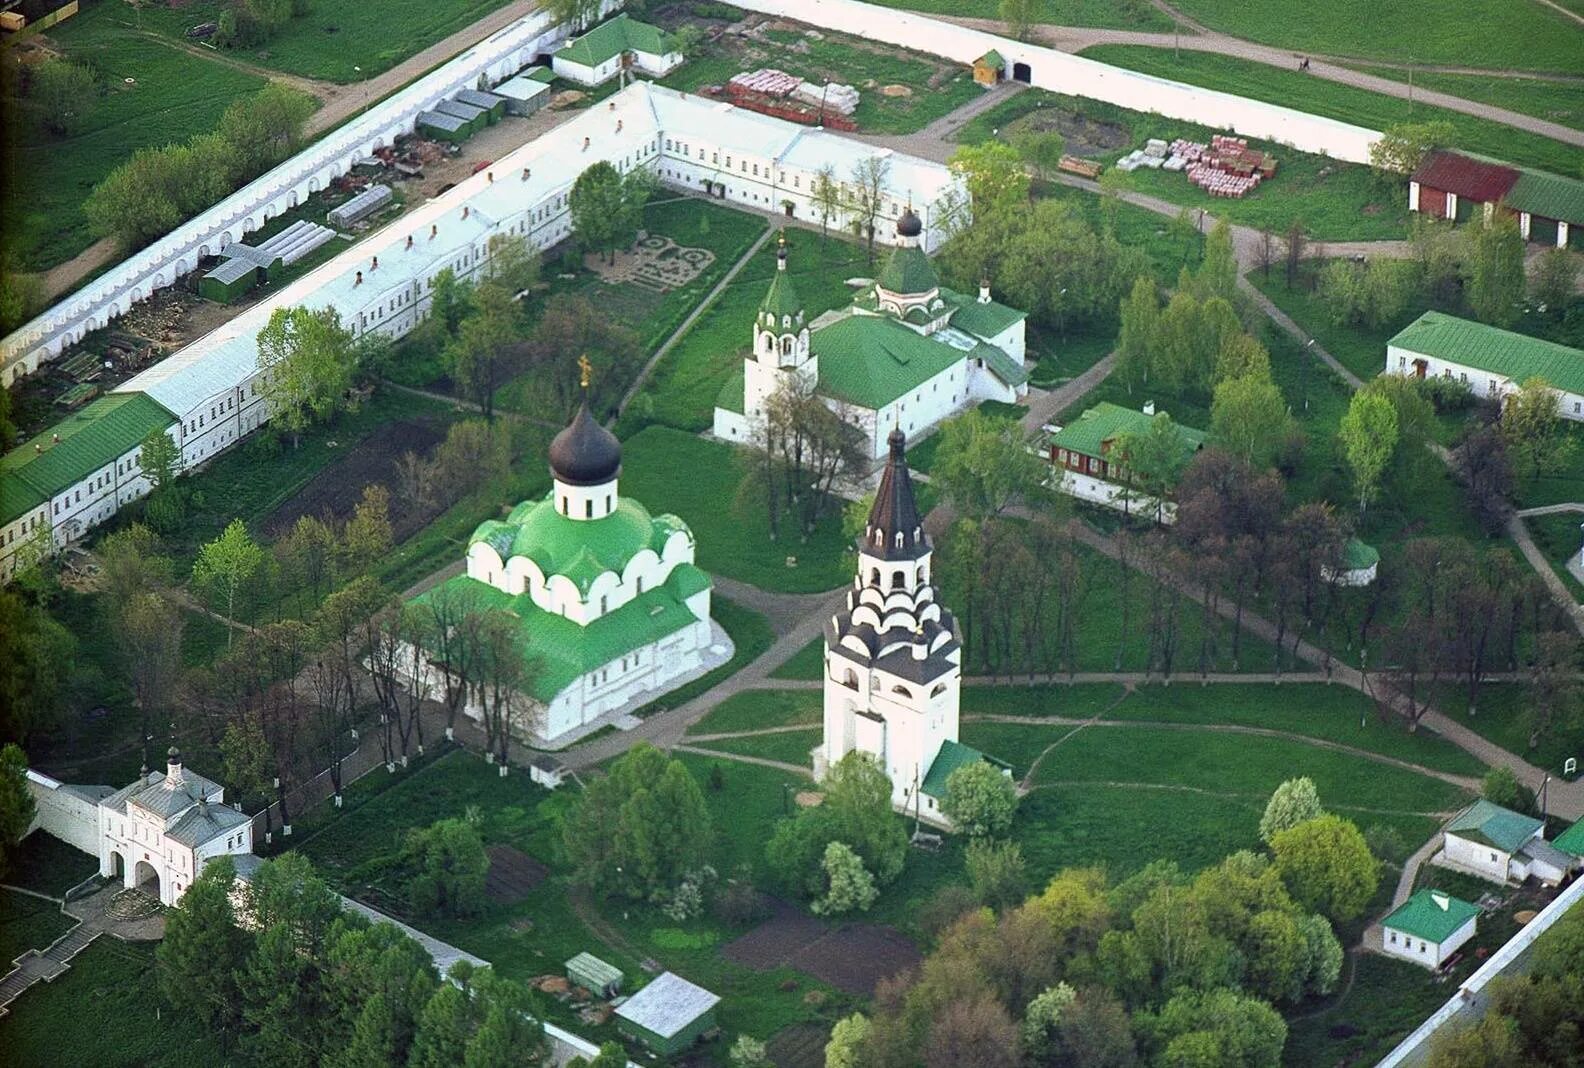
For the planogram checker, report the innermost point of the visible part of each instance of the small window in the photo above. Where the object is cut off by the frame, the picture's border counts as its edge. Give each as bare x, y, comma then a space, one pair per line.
588, 509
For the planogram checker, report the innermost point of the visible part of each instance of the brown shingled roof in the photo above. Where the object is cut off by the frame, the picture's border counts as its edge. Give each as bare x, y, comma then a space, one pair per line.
1472, 179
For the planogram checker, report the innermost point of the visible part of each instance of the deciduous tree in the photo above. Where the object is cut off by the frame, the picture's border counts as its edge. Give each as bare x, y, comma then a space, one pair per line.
1293, 802
848, 885
1327, 866
306, 363
226, 566
1531, 424
1249, 418
1494, 274
1368, 434
16, 802
980, 799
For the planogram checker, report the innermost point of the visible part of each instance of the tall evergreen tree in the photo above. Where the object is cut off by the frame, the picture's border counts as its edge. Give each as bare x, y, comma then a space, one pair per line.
204, 950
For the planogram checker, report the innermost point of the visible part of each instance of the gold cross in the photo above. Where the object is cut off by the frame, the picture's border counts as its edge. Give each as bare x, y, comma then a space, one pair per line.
586, 368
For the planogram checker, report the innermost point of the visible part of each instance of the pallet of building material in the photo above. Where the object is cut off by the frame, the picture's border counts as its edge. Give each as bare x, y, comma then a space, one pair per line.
1088, 168
361, 206
768, 80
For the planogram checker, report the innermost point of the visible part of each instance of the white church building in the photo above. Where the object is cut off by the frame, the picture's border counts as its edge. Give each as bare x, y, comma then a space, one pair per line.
907, 353
157, 833
893, 664
605, 598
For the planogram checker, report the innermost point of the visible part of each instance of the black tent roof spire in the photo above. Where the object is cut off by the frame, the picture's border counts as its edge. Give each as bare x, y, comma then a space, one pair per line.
895, 530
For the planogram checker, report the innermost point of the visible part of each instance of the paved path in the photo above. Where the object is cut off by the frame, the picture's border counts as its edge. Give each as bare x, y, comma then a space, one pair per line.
1560, 593
687, 324
1075, 39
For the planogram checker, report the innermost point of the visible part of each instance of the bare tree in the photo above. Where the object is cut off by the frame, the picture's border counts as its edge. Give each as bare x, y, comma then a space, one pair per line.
866, 199
415, 479
149, 632
450, 620
505, 675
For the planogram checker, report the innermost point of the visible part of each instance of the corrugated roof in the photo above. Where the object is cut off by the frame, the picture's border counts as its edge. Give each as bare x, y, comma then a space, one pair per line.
480, 99
1516, 357
982, 320
466, 112
1572, 840
1431, 915
952, 755
1490, 823
440, 121
522, 87
1481, 181
92, 438
1105, 422
613, 37
1550, 196
233, 270
667, 1005
871, 361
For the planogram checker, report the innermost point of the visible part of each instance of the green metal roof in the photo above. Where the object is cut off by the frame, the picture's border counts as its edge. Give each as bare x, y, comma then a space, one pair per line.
871, 361
590, 971
908, 270
1105, 422
97, 435
952, 755
983, 321
542, 74
782, 297
1550, 196
612, 38
1516, 357
1357, 555
1431, 915
1571, 840
579, 549
1001, 365
1493, 825
991, 59
562, 650
732, 393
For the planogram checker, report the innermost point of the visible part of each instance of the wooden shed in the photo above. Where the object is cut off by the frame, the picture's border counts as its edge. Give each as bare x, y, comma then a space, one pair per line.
594, 975
989, 68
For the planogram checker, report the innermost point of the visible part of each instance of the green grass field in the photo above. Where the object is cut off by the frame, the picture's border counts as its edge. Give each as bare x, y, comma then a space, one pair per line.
684, 387
1530, 36
1559, 102
148, 101
1558, 537
733, 540
1376, 111
102, 1012
807, 663
788, 747
331, 40
1502, 716
1335, 201
757, 709
28, 923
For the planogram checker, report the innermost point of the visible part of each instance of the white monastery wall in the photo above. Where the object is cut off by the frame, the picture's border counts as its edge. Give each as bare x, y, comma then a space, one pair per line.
64, 812
1076, 76
1111, 495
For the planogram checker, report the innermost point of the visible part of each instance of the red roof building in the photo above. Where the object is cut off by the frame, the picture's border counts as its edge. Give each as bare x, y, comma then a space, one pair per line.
1449, 184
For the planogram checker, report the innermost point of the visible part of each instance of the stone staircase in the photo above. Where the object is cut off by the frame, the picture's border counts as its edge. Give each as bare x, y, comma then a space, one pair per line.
44, 965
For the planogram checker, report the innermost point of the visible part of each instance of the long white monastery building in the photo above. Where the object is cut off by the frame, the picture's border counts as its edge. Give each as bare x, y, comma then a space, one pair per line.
209, 391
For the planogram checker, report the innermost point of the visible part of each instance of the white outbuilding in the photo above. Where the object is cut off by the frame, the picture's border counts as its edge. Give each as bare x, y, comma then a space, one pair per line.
1428, 928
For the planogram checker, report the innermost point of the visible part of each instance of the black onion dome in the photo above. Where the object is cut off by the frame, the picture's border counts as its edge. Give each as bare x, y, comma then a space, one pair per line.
585, 453
909, 225
895, 530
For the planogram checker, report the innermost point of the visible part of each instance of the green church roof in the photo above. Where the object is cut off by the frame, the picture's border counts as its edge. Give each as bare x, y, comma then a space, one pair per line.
1431, 915
579, 549
983, 321
613, 37
562, 651
952, 755
732, 396
782, 296
92, 438
1358, 555
1516, 357
908, 270
1001, 365
871, 361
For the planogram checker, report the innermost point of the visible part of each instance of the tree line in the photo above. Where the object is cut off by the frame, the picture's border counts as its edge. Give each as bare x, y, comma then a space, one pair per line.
1159, 968
290, 979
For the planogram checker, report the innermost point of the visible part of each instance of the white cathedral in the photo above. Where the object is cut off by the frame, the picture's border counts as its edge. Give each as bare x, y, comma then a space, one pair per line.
893, 664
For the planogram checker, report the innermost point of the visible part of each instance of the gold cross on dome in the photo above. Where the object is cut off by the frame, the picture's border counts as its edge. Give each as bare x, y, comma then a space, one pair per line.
585, 368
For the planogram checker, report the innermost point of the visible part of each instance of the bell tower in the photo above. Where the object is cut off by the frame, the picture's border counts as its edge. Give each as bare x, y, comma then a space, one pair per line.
780, 340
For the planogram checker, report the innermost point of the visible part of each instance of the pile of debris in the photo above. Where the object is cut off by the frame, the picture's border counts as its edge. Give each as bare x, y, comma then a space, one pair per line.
786, 96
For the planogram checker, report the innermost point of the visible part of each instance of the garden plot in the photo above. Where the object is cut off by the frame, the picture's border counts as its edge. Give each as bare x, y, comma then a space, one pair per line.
853, 957
655, 262
512, 874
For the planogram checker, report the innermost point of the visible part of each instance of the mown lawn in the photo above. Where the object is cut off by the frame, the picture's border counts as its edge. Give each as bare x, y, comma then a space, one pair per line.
146, 100
28, 923
84, 1017
807, 663
1334, 201
1485, 33
332, 39
1559, 538
683, 390
757, 709
788, 747
45, 864
1559, 102
1502, 716
1361, 107
732, 530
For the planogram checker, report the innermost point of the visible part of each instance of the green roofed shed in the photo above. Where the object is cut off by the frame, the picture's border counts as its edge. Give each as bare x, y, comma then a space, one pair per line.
1515, 357
228, 281
594, 975
1490, 824
952, 755
541, 74
991, 60
1551, 196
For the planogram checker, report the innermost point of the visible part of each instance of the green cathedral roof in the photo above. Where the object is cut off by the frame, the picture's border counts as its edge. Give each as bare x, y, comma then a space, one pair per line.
908, 270
579, 549
870, 361
782, 297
